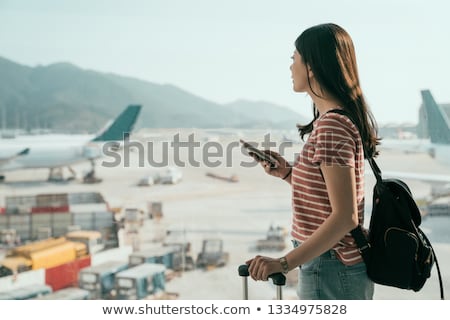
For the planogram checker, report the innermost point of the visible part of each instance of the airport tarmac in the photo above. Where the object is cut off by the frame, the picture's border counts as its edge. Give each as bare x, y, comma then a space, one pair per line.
240, 213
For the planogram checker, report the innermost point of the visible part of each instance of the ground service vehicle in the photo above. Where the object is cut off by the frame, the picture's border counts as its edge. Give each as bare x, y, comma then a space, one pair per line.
158, 254
140, 281
172, 175
99, 279
274, 241
212, 254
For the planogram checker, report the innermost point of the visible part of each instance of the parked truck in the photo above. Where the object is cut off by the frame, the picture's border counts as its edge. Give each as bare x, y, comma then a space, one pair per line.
274, 241
212, 254
140, 281
99, 279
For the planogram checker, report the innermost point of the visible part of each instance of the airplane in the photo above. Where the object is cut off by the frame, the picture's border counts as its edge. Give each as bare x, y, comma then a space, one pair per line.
438, 147
55, 152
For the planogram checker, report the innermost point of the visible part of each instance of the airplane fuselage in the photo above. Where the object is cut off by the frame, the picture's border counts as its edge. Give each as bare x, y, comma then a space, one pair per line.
50, 152
57, 151
440, 152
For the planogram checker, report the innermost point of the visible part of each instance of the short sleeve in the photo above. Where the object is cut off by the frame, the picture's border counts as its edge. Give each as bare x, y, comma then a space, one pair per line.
334, 142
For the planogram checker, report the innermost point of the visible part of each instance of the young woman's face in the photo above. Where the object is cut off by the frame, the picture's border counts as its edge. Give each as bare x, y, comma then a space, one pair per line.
299, 73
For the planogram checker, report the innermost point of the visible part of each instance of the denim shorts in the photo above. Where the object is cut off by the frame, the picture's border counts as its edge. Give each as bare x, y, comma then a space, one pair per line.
327, 278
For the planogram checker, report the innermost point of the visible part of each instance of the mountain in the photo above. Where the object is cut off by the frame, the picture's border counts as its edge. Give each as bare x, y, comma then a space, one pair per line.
266, 114
64, 97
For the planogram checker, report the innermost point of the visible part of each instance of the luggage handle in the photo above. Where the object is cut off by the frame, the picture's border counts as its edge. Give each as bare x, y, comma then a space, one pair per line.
278, 279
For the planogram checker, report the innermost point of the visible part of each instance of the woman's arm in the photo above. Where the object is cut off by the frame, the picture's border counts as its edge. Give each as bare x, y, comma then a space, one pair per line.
283, 169
341, 186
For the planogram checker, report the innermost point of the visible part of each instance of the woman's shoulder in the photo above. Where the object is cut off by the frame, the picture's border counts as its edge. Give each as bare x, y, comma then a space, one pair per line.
332, 120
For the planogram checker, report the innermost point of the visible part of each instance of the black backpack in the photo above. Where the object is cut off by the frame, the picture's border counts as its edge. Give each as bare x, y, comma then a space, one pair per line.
396, 251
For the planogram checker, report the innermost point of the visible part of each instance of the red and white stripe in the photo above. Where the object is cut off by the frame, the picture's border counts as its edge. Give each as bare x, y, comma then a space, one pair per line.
335, 140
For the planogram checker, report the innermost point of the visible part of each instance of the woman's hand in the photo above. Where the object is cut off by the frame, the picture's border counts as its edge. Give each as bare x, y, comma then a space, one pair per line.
281, 169
260, 268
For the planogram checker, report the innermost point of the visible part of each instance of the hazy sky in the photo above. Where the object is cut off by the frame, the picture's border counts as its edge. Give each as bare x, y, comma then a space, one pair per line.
228, 50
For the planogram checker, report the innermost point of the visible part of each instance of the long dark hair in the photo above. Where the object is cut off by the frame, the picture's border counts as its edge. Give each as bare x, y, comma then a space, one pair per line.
328, 50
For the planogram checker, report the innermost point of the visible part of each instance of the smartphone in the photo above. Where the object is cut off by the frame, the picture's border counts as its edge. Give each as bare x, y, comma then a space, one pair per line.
260, 155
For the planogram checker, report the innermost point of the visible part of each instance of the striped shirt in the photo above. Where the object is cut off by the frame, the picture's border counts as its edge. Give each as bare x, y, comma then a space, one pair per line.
334, 140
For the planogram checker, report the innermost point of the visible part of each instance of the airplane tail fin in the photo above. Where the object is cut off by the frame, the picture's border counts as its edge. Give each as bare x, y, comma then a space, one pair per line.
122, 126
437, 121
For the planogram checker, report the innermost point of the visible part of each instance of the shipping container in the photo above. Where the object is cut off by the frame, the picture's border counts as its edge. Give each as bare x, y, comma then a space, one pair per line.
33, 217
20, 223
87, 202
39, 222
60, 223
98, 220
85, 197
66, 275
19, 204
54, 200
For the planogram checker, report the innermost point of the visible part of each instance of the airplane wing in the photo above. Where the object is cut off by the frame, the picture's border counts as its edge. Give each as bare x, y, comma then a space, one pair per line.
122, 126
434, 179
19, 154
440, 184
407, 146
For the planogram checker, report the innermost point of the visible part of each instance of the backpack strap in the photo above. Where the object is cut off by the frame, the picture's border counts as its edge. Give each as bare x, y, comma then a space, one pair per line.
358, 233
362, 243
441, 286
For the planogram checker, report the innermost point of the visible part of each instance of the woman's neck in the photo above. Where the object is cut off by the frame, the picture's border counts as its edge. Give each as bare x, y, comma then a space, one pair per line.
323, 101
325, 105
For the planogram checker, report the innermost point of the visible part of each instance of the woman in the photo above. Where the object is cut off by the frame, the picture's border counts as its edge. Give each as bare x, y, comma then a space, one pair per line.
327, 179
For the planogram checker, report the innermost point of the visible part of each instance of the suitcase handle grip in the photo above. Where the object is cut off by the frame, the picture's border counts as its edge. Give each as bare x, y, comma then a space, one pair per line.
278, 279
